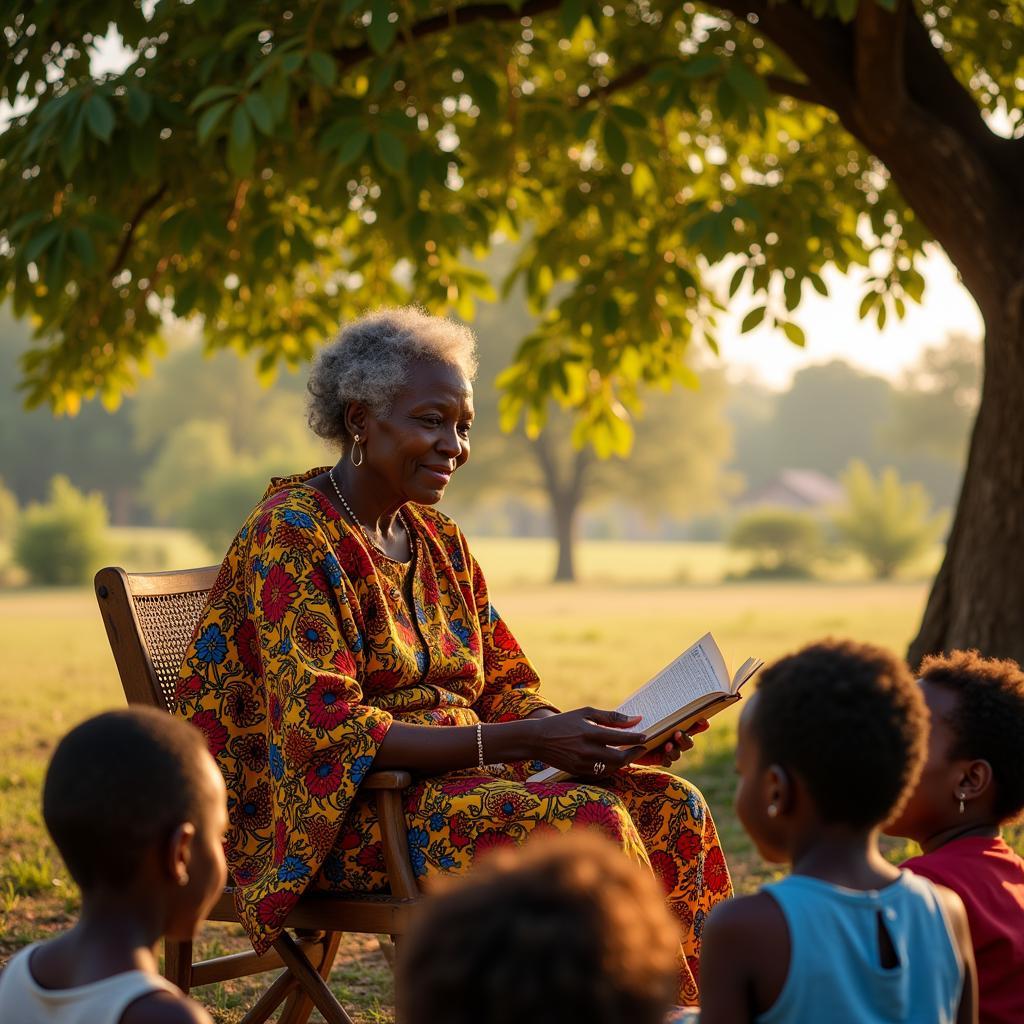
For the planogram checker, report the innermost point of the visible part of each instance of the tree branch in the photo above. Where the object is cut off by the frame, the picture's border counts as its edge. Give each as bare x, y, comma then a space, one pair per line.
145, 206
878, 68
629, 77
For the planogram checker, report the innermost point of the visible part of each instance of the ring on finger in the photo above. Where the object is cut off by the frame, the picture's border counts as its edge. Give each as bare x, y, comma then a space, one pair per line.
599, 767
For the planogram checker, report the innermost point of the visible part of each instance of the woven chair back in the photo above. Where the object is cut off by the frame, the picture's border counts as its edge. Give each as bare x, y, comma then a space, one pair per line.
151, 619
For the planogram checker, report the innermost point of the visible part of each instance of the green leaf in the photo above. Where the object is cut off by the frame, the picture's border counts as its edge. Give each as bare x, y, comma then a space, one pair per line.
753, 318
41, 241
865, 304
584, 122
259, 110
322, 66
81, 242
628, 116
390, 152
140, 104
352, 146
747, 84
70, 150
795, 333
381, 32
736, 281
611, 315
881, 315
725, 98
215, 92
241, 150
818, 283
210, 119
791, 291
100, 115
571, 13
615, 143
291, 62
700, 66
485, 91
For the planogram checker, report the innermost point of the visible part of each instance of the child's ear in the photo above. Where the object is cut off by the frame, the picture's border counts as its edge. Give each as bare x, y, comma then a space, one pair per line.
179, 852
779, 790
975, 780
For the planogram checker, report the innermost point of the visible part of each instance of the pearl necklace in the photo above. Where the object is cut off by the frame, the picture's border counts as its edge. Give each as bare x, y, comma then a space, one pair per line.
355, 519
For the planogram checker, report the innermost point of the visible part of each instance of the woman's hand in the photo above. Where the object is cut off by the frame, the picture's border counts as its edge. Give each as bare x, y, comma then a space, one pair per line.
667, 754
577, 741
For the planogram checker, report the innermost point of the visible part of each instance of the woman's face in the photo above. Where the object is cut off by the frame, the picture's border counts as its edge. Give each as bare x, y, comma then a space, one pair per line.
420, 443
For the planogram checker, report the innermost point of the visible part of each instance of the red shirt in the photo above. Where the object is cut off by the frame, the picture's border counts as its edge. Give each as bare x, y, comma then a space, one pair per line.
989, 877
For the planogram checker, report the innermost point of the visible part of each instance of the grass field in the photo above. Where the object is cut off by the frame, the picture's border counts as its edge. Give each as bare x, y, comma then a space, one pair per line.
592, 642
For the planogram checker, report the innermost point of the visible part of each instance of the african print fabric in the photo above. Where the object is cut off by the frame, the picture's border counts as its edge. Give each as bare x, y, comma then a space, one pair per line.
313, 642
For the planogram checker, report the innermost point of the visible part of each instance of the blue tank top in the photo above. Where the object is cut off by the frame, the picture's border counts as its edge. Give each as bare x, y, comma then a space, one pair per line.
835, 964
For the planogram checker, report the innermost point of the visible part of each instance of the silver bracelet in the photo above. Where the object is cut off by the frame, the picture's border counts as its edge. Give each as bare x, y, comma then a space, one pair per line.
480, 745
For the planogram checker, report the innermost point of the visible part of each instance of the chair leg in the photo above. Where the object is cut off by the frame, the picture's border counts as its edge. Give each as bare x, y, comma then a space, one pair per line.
271, 999
178, 963
300, 1003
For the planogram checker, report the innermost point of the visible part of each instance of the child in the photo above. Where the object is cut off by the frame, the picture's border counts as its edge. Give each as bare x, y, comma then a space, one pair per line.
563, 929
972, 783
137, 809
827, 747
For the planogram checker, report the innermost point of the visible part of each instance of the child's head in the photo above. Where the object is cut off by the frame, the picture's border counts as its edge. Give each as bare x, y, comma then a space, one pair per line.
133, 800
975, 748
835, 734
566, 928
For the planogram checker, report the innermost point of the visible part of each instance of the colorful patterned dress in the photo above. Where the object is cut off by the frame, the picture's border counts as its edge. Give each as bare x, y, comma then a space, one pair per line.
313, 642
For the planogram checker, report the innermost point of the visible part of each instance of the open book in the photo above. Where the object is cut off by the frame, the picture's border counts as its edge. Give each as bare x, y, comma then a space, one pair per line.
694, 686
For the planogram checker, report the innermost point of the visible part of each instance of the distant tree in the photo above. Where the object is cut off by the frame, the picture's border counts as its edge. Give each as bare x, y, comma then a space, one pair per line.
8, 514
888, 522
61, 542
783, 542
934, 407
674, 468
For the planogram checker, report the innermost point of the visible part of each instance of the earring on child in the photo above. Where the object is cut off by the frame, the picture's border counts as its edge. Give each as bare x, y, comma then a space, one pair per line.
183, 879
961, 803
773, 810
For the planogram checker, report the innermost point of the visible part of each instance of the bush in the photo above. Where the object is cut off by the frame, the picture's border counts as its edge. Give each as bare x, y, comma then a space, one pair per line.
8, 524
64, 541
783, 543
888, 522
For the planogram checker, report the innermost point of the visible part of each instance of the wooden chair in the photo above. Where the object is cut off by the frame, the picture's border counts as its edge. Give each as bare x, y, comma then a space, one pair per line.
150, 618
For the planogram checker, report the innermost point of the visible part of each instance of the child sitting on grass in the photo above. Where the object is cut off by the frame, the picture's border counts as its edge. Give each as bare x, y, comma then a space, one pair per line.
827, 748
972, 784
563, 929
137, 809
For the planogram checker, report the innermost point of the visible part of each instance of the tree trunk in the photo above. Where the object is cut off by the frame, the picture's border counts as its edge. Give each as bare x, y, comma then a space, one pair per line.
563, 514
977, 599
564, 484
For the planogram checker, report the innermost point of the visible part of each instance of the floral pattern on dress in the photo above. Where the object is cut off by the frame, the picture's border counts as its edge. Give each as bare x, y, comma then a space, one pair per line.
313, 642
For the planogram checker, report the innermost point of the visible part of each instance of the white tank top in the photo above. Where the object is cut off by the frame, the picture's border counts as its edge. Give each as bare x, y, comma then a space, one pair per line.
24, 1001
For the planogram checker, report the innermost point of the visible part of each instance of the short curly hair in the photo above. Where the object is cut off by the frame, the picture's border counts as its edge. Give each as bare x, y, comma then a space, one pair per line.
369, 360
119, 783
850, 720
565, 928
989, 719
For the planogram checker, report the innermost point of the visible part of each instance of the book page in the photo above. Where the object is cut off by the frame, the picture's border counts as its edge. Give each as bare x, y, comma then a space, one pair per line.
697, 672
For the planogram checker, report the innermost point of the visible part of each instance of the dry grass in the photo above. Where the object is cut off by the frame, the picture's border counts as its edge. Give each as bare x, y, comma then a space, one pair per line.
593, 643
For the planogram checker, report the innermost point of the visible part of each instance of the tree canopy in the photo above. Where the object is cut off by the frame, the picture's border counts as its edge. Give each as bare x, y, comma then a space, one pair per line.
268, 171
282, 166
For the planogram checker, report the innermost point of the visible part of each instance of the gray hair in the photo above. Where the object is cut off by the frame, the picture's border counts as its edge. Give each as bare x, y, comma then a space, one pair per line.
369, 362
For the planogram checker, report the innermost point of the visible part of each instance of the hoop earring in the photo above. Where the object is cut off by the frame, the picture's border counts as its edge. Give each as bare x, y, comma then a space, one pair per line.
356, 447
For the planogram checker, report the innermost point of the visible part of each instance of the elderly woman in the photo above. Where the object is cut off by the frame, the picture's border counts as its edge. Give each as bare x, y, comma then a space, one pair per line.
350, 628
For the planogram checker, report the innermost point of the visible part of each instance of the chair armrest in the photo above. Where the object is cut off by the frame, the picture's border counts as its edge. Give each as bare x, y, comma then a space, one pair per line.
387, 780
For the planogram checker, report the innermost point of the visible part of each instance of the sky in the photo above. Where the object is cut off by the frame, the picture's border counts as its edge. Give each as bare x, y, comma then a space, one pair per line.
834, 331
831, 325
